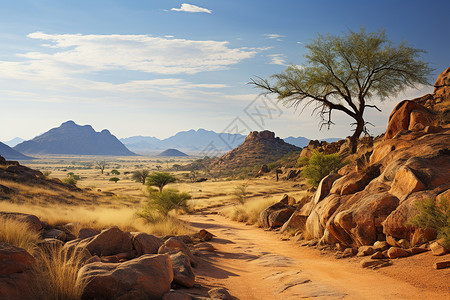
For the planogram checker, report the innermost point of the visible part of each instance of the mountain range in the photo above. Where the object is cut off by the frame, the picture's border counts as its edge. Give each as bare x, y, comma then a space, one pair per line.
73, 139
10, 154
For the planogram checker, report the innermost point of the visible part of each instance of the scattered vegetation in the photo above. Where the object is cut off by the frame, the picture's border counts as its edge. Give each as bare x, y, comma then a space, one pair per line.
321, 165
115, 172
46, 173
163, 202
70, 180
434, 216
115, 179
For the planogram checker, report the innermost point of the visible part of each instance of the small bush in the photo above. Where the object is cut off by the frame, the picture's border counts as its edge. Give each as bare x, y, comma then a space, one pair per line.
434, 216
115, 172
321, 165
240, 193
69, 180
248, 212
46, 173
115, 179
163, 202
302, 161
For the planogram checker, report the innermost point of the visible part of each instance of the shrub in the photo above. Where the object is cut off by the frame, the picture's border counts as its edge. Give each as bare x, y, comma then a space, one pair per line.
321, 165
115, 179
161, 203
69, 180
302, 161
46, 173
434, 216
240, 193
18, 234
248, 212
115, 172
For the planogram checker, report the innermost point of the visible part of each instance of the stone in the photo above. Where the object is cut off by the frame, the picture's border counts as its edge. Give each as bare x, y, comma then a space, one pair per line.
87, 232
437, 248
145, 277
378, 255
288, 200
396, 252
55, 234
365, 251
16, 273
324, 187
204, 235
182, 270
109, 242
380, 246
374, 263
422, 236
177, 295
279, 217
219, 294
145, 243
349, 252
404, 243
173, 246
405, 183
442, 265
417, 250
205, 247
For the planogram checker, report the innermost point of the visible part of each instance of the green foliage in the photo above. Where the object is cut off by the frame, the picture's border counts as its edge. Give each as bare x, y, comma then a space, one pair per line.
160, 180
240, 193
69, 180
434, 216
115, 179
46, 173
115, 172
140, 175
302, 161
161, 203
321, 165
73, 176
176, 166
344, 72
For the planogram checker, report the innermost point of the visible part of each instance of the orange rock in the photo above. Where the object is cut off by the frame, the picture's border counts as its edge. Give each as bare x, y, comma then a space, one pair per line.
405, 183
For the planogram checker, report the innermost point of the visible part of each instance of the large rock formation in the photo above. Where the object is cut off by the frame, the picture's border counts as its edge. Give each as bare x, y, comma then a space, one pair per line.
73, 139
9, 153
373, 200
258, 148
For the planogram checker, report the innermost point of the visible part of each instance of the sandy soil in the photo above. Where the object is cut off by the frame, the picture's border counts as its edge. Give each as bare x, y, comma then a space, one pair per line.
256, 264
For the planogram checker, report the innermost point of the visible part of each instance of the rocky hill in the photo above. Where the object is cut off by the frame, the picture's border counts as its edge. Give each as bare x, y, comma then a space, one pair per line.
172, 152
258, 148
73, 139
11, 154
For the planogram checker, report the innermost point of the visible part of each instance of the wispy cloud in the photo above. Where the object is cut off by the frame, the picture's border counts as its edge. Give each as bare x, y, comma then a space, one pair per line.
274, 36
77, 53
192, 8
277, 59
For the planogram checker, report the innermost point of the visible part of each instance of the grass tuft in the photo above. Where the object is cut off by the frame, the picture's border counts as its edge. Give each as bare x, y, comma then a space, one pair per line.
248, 212
18, 234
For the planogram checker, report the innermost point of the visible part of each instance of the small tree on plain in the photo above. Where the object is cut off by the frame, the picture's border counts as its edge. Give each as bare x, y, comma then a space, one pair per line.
343, 73
115, 179
115, 172
160, 180
140, 175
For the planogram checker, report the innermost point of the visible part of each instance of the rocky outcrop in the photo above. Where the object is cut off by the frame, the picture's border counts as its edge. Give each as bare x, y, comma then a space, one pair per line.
276, 215
374, 197
145, 243
145, 277
258, 148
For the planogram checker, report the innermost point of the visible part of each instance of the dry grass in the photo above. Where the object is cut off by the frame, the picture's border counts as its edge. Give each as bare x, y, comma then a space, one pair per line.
57, 271
248, 212
18, 234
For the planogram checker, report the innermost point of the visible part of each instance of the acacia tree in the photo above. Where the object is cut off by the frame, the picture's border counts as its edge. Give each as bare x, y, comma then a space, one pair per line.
160, 180
344, 72
101, 164
140, 175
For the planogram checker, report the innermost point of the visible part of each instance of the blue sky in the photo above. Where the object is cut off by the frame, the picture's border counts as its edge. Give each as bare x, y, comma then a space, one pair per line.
158, 67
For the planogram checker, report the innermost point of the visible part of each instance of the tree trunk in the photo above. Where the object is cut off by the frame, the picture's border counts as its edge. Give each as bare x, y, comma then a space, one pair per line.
354, 138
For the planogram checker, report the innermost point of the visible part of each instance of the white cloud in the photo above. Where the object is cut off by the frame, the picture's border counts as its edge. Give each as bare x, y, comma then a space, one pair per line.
277, 59
274, 36
191, 8
77, 54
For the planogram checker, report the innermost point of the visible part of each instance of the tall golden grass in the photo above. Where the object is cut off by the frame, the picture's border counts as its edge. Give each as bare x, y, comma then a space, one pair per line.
18, 234
56, 271
248, 212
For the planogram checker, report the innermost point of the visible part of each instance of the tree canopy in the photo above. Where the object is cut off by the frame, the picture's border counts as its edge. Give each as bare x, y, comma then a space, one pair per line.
346, 72
160, 180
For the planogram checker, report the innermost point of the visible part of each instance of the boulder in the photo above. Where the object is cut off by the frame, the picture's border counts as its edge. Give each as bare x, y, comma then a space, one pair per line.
87, 232
173, 246
16, 273
182, 270
281, 213
145, 243
396, 252
405, 183
145, 277
374, 263
422, 236
204, 235
365, 251
219, 294
380, 246
109, 242
55, 234
288, 200
324, 187
178, 295
438, 248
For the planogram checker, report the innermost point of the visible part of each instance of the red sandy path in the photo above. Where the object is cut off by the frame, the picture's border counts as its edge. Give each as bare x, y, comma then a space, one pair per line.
255, 264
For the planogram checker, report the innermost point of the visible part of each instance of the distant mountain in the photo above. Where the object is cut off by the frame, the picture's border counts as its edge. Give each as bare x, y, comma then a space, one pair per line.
10, 154
15, 141
73, 139
172, 152
258, 148
191, 140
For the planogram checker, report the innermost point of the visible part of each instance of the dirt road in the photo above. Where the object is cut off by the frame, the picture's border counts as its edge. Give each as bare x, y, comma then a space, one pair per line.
255, 264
